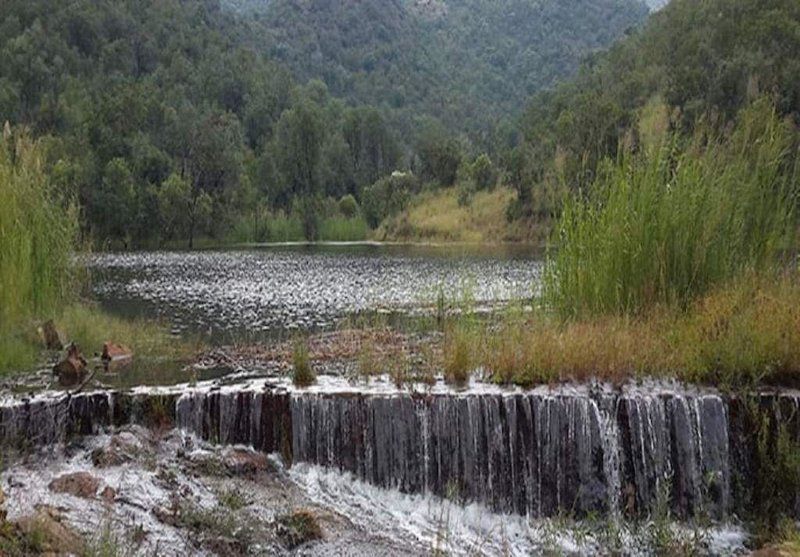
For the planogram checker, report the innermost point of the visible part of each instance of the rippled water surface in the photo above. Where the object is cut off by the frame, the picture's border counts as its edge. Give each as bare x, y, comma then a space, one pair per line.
268, 291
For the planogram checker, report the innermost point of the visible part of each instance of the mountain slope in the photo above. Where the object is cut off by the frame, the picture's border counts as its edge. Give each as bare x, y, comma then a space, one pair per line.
693, 63
466, 62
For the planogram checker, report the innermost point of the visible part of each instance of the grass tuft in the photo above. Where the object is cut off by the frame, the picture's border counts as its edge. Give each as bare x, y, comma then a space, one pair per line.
303, 374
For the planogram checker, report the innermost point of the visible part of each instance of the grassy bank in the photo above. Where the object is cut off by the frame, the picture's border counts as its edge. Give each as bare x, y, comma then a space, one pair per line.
671, 266
437, 216
744, 334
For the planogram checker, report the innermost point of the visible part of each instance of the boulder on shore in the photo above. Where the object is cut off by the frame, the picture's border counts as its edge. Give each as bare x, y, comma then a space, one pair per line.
113, 351
79, 484
72, 369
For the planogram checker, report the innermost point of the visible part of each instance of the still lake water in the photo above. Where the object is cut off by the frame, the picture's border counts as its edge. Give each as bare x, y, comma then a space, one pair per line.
267, 292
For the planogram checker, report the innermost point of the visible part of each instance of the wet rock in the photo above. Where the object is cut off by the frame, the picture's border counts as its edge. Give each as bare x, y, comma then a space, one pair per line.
298, 528
50, 336
45, 533
79, 484
108, 494
122, 448
72, 369
244, 462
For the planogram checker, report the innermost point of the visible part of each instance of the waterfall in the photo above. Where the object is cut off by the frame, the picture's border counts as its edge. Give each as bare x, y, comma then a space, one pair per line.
535, 453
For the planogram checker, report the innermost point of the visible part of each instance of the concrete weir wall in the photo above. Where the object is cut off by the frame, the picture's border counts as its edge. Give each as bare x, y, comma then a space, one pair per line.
534, 453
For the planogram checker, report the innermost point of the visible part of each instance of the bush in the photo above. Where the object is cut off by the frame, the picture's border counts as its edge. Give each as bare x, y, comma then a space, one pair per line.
482, 172
387, 197
348, 206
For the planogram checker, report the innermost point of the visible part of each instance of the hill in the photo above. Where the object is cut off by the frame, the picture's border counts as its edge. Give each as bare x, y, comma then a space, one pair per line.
467, 63
693, 64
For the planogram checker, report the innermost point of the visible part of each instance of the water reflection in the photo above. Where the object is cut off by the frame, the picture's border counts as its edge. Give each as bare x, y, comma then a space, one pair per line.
264, 292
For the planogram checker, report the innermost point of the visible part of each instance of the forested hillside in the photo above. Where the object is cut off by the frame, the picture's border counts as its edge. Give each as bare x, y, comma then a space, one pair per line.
694, 64
163, 122
171, 120
468, 63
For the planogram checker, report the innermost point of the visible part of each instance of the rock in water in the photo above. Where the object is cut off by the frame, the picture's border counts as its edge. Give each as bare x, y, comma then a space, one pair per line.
79, 484
72, 369
52, 340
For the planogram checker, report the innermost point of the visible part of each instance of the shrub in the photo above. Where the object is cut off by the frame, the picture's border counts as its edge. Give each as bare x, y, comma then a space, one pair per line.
482, 172
387, 197
348, 206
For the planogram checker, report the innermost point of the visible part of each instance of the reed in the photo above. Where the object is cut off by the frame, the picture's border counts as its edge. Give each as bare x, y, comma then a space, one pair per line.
666, 225
38, 228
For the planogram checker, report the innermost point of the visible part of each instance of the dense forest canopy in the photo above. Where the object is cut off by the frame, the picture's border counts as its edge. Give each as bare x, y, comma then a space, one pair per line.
256, 120
468, 63
175, 119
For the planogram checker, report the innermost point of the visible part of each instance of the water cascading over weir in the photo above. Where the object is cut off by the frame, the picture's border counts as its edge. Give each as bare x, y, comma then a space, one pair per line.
536, 453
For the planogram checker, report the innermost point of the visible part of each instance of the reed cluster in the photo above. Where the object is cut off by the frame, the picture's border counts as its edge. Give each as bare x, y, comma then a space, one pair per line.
38, 229
668, 224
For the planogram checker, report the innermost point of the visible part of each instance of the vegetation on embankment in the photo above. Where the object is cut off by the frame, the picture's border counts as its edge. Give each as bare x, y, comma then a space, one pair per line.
446, 215
746, 333
672, 266
38, 277
37, 235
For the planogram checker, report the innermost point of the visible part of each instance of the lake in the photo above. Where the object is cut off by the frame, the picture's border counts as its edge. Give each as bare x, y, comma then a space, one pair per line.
270, 291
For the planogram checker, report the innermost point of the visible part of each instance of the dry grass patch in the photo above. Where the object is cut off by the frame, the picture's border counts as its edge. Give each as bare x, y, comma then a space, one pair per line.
744, 334
437, 216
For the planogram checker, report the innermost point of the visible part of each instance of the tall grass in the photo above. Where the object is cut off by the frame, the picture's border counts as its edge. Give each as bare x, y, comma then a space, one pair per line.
37, 234
665, 226
342, 229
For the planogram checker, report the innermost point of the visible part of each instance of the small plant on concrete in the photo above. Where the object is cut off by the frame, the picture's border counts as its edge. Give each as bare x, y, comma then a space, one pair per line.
458, 356
303, 374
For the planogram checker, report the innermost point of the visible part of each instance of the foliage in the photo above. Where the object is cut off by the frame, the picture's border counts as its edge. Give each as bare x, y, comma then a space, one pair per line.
739, 335
439, 216
348, 206
37, 231
482, 172
694, 64
666, 226
166, 122
387, 197
469, 64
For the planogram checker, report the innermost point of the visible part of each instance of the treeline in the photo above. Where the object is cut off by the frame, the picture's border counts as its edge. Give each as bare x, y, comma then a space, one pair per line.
694, 64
